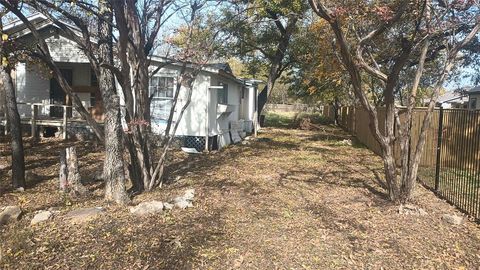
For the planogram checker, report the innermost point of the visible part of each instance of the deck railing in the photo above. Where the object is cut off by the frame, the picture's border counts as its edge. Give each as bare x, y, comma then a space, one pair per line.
34, 120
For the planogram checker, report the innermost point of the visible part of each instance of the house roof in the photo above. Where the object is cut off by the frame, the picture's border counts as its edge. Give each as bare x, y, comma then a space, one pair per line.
451, 97
223, 70
17, 29
221, 66
474, 90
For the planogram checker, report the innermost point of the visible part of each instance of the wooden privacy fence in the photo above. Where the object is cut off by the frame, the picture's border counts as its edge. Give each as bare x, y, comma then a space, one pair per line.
450, 163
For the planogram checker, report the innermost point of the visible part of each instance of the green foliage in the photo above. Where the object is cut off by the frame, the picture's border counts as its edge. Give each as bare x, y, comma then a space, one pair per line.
318, 75
280, 120
314, 118
293, 120
253, 28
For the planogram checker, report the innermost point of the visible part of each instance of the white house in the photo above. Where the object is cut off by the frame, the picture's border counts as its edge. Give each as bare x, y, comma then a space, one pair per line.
456, 99
474, 98
222, 108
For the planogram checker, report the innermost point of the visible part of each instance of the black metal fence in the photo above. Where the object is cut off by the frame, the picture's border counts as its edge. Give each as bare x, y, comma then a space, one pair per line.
457, 176
451, 160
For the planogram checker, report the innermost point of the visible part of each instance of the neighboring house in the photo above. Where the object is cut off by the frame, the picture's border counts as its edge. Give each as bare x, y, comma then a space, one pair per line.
457, 99
474, 98
222, 108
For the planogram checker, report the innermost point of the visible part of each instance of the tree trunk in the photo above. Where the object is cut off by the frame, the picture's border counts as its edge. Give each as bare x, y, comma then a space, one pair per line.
73, 175
113, 166
18, 159
134, 83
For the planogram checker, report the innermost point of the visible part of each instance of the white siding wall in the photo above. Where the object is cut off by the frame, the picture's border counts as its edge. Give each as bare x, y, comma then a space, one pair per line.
203, 105
252, 102
220, 125
33, 86
248, 107
194, 119
65, 50
193, 122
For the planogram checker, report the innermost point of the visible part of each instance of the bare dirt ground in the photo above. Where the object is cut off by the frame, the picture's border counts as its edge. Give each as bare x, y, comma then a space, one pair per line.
290, 200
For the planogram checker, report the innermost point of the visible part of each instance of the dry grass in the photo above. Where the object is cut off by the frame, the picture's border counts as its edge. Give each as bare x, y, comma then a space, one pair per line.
292, 200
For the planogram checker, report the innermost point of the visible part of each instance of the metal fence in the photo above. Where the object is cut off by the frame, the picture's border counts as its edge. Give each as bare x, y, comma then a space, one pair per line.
450, 164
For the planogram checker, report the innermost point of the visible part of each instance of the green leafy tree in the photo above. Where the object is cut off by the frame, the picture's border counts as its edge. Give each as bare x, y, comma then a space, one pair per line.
262, 32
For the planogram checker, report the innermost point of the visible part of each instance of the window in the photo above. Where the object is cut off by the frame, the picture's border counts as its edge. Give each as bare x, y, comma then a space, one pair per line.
161, 91
473, 103
222, 94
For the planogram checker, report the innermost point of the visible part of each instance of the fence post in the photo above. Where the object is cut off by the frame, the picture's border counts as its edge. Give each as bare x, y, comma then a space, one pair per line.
64, 124
34, 121
439, 149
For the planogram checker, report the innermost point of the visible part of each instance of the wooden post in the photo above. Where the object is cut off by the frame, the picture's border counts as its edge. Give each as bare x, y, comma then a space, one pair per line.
73, 174
64, 125
255, 124
63, 171
33, 122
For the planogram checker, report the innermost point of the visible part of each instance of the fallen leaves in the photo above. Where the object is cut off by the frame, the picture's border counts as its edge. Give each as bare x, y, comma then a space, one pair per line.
296, 200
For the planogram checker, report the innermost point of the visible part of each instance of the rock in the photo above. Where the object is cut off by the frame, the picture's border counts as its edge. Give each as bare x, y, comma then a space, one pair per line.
189, 194
41, 216
346, 142
182, 203
10, 214
167, 206
147, 208
453, 219
20, 189
85, 214
409, 209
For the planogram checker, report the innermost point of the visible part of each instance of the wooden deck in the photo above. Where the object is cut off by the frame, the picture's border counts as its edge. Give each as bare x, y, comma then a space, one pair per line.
44, 121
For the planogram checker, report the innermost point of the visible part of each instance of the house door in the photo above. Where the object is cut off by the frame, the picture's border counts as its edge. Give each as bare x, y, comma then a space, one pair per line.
57, 95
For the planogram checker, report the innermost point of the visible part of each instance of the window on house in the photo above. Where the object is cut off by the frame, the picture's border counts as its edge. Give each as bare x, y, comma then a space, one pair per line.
222, 94
473, 103
161, 91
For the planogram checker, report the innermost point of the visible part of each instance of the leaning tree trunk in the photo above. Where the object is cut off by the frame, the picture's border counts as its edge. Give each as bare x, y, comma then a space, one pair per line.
113, 166
272, 78
276, 64
18, 159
